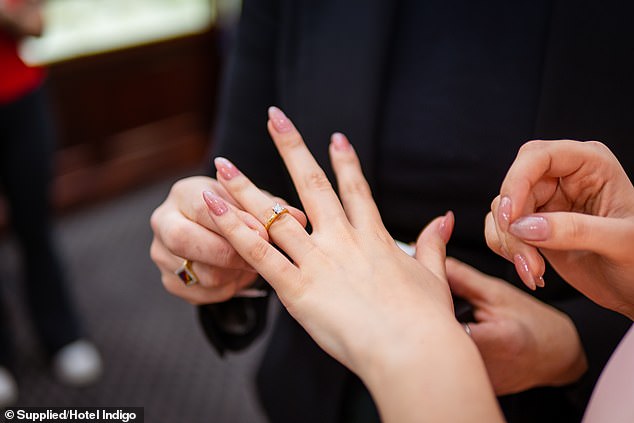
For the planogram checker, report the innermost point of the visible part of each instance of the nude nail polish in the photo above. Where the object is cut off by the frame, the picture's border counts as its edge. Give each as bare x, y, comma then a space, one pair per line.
531, 228
522, 268
216, 204
340, 142
540, 282
279, 120
225, 168
446, 226
504, 212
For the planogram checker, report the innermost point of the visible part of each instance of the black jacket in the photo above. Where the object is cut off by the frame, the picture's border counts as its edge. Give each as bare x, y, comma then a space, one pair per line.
284, 56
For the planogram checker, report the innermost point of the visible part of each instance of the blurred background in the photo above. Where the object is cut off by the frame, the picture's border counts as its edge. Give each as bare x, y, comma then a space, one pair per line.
133, 86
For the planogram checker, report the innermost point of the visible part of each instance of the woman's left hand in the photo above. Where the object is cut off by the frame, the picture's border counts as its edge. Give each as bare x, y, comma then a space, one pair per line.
385, 315
349, 268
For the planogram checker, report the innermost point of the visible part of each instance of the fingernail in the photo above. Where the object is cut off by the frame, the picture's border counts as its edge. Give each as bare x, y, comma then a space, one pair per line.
216, 204
446, 226
279, 120
531, 228
340, 142
521, 265
225, 168
541, 282
504, 212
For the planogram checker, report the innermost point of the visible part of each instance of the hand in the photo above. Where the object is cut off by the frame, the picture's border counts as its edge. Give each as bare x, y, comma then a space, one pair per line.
22, 18
364, 301
183, 229
574, 202
524, 342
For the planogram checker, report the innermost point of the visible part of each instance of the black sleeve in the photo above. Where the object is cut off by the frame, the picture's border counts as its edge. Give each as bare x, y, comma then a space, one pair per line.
248, 90
233, 325
600, 331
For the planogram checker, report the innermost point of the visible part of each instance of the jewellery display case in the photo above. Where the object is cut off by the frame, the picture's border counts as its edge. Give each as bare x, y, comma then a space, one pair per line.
132, 85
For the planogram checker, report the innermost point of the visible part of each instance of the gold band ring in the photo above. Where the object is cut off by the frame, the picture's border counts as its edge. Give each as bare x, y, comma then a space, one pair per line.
278, 210
186, 274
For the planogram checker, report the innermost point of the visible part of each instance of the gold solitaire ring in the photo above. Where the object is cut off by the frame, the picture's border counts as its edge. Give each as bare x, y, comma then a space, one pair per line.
278, 210
186, 273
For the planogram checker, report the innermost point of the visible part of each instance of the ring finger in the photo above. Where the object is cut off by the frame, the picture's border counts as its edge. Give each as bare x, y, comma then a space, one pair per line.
284, 230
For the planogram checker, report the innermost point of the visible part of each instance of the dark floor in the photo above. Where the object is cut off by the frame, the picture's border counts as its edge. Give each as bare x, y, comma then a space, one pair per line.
154, 352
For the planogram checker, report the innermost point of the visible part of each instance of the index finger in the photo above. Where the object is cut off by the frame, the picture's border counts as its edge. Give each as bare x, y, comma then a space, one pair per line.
320, 202
540, 160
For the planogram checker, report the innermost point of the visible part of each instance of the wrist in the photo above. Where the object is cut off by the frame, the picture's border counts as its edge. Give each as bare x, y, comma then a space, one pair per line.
425, 376
569, 357
393, 358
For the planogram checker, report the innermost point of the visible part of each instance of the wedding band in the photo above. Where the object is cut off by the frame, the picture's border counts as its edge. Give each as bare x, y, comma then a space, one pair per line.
278, 210
467, 328
186, 273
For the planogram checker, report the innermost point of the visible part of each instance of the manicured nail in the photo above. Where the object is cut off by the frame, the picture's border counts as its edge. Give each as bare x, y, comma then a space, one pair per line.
446, 226
540, 282
531, 228
340, 142
225, 168
280, 122
216, 204
521, 265
504, 213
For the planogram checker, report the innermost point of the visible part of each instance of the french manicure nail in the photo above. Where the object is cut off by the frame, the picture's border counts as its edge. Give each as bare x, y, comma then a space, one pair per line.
340, 142
216, 204
280, 122
504, 212
531, 228
521, 265
225, 168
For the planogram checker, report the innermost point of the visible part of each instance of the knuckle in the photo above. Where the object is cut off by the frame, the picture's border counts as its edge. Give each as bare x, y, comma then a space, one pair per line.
225, 255
155, 219
317, 181
358, 187
293, 140
494, 203
493, 241
596, 145
531, 146
600, 149
176, 237
259, 251
178, 187
155, 251
577, 231
200, 211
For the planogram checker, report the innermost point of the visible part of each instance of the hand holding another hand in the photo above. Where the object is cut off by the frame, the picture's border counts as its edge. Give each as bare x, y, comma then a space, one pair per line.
183, 230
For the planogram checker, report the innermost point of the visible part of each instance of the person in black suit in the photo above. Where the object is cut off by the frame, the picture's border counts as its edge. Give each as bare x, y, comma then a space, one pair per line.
436, 97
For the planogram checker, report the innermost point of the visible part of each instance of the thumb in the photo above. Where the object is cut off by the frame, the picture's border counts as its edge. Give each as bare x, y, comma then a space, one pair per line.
605, 236
432, 241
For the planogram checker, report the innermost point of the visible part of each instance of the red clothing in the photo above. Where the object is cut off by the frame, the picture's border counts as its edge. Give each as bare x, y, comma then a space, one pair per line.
16, 78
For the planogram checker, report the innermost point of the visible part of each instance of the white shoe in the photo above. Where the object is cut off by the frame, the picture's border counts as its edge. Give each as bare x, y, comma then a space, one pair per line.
78, 364
8, 388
